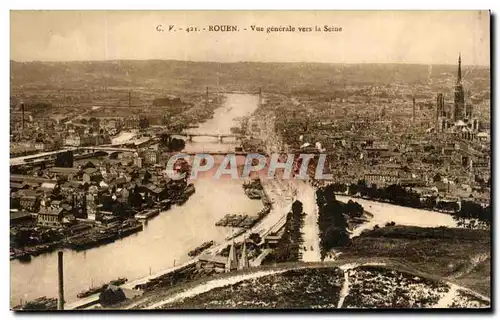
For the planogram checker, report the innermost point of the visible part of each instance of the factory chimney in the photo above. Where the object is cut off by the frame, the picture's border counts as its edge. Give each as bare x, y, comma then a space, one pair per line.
439, 108
413, 109
129, 99
60, 301
206, 98
22, 115
260, 96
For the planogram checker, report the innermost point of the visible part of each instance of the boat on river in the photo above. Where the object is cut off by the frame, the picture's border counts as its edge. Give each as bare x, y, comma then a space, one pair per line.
147, 214
96, 290
42, 303
130, 229
200, 249
185, 195
92, 240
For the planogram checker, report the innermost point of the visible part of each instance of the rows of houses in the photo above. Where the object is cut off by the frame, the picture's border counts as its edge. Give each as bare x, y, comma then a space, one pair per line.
95, 191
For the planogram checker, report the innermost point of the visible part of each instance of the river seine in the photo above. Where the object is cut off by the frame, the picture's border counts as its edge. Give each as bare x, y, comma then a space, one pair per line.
165, 240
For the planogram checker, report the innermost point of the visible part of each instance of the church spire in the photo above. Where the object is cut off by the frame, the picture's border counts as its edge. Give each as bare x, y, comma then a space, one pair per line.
244, 258
232, 259
459, 74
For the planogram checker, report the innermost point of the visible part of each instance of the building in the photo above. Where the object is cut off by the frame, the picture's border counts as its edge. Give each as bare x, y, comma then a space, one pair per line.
217, 263
67, 173
137, 160
131, 123
440, 112
20, 217
79, 204
29, 200
382, 178
92, 207
77, 140
151, 156
72, 141
457, 121
51, 216
91, 174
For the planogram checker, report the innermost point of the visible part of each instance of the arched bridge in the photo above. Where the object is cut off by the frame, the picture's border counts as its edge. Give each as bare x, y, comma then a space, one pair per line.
108, 149
190, 135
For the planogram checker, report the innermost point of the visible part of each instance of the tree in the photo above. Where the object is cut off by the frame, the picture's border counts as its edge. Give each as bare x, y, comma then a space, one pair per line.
143, 123
353, 189
430, 202
437, 177
146, 178
362, 187
255, 238
111, 295
177, 144
297, 207
353, 209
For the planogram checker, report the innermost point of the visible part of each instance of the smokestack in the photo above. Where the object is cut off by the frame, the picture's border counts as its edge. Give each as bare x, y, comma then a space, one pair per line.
22, 117
439, 108
413, 109
206, 98
437, 112
260, 96
60, 301
129, 99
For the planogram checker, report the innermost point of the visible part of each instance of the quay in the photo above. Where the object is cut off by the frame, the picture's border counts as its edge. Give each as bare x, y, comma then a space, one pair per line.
128, 288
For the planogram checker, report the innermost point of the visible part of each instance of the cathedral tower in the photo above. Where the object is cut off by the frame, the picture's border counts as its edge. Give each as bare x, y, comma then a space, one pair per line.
459, 103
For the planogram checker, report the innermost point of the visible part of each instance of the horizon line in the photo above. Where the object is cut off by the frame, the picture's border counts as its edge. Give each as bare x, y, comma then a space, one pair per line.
249, 61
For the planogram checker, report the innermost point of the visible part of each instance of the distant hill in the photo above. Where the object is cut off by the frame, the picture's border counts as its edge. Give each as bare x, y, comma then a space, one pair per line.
248, 76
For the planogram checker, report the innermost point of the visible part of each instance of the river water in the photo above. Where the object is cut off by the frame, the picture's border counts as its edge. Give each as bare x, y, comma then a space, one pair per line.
165, 240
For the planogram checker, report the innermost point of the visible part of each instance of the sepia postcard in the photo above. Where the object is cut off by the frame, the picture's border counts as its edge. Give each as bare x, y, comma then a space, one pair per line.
181, 160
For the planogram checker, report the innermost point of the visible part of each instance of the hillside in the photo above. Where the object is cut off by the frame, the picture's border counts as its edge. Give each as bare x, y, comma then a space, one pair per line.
247, 76
460, 255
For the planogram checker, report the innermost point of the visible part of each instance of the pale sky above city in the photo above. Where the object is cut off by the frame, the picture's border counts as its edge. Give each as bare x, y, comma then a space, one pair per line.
426, 37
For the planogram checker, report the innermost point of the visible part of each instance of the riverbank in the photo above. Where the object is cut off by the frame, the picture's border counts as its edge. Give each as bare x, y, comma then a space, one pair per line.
385, 213
86, 234
466, 211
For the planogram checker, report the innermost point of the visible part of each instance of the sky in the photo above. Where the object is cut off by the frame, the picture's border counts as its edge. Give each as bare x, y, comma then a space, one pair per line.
425, 37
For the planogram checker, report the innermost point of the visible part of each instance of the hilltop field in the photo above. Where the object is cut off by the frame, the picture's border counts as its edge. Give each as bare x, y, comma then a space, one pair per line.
460, 255
397, 266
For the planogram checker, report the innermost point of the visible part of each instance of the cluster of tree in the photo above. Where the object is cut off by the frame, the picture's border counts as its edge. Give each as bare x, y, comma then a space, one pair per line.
353, 209
172, 144
111, 295
64, 159
331, 220
470, 210
393, 193
289, 244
